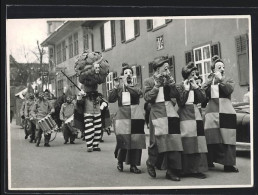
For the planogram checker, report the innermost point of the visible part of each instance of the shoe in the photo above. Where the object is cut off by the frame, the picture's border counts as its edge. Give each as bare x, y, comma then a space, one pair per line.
46, 145
26, 136
231, 169
151, 169
96, 149
199, 175
71, 142
120, 166
172, 177
89, 149
65, 142
134, 169
211, 165
34, 141
101, 140
37, 145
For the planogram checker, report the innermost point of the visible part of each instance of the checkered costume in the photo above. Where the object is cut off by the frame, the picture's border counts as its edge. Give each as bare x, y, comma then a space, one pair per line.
129, 124
220, 121
129, 121
165, 137
192, 131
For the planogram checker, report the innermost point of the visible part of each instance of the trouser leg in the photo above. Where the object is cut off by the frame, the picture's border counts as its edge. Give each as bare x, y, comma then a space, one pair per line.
89, 130
47, 138
33, 128
38, 135
65, 132
97, 130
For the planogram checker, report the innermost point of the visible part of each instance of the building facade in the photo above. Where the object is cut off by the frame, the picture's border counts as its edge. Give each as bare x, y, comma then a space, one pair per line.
138, 42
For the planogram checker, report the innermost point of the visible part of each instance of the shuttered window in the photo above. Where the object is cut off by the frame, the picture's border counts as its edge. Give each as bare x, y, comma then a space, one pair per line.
110, 82
130, 29
149, 25
58, 54
136, 28
137, 75
122, 29
64, 50
150, 69
189, 57
171, 62
70, 39
215, 49
242, 59
107, 35
85, 40
76, 46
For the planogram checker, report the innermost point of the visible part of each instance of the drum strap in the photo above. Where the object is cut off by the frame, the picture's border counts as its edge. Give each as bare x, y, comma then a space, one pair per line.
54, 137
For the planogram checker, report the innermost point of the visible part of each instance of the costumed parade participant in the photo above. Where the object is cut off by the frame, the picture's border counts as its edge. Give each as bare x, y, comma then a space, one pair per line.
40, 110
30, 124
165, 149
66, 112
194, 156
220, 118
129, 121
92, 70
22, 114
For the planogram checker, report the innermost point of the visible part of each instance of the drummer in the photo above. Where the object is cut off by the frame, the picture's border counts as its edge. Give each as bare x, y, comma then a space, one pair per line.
67, 110
40, 110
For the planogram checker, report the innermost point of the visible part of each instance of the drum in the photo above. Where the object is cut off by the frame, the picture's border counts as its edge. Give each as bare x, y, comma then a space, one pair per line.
48, 125
70, 123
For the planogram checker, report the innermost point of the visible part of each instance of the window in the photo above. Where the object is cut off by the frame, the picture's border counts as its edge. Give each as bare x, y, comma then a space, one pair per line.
60, 88
151, 71
188, 57
72, 87
76, 48
172, 66
129, 29
58, 54
70, 39
85, 40
137, 75
242, 59
110, 81
202, 60
107, 35
64, 50
157, 23
51, 52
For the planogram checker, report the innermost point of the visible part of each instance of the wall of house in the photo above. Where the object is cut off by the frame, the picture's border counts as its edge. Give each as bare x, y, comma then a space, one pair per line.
179, 36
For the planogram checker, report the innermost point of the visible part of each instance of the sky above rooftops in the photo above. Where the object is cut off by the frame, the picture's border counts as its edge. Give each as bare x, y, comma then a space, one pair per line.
22, 36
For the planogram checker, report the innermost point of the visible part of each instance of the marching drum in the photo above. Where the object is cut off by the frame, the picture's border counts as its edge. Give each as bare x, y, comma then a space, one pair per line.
70, 123
48, 125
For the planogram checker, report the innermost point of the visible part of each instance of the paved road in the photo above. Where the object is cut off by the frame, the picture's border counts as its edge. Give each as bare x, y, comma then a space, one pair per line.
71, 166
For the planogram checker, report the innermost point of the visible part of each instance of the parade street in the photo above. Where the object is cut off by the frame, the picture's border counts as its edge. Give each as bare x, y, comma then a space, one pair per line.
71, 166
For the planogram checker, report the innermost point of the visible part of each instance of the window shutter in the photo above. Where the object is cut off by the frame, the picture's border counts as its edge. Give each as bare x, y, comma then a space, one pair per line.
189, 57
149, 25
92, 41
102, 38
171, 62
139, 75
215, 49
168, 20
242, 59
150, 69
113, 32
136, 28
122, 28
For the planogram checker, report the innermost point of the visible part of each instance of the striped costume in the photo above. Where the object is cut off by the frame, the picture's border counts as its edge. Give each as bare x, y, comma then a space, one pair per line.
165, 139
220, 122
129, 124
194, 158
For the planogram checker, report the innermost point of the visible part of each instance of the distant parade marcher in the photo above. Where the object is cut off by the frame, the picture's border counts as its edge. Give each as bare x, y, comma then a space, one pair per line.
165, 149
129, 121
194, 156
67, 110
28, 106
92, 70
22, 114
220, 118
40, 110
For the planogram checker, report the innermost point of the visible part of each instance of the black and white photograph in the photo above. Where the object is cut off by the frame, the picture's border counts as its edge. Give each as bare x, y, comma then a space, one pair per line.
120, 103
